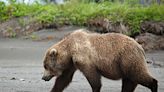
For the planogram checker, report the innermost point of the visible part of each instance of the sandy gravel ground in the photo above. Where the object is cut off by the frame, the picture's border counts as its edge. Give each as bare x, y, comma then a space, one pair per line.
21, 66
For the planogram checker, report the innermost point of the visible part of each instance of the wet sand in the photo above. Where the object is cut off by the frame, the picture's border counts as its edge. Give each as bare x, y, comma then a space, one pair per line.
21, 67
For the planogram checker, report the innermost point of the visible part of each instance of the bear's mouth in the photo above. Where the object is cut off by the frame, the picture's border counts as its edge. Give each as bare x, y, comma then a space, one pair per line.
56, 72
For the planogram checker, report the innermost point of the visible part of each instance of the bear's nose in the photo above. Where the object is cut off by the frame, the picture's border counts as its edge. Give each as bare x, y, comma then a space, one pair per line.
44, 78
47, 78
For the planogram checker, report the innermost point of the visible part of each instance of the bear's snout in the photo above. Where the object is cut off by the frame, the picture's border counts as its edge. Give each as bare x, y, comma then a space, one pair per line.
47, 75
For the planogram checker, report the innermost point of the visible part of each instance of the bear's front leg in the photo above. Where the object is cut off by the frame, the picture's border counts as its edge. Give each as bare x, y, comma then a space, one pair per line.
63, 80
93, 77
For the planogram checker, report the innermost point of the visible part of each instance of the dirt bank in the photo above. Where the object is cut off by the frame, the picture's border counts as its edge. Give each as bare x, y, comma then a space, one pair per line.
150, 36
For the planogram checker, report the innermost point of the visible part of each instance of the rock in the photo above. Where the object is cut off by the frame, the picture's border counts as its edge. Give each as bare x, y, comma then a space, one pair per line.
150, 41
153, 27
13, 78
161, 41
154, 63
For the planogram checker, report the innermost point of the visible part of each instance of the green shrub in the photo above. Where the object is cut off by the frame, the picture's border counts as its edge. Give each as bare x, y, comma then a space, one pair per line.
79, 13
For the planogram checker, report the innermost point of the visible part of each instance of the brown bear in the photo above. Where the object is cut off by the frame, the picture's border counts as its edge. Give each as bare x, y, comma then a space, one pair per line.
112, 55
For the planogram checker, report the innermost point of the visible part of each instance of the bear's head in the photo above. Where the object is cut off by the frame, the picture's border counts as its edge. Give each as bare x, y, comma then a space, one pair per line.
55, 62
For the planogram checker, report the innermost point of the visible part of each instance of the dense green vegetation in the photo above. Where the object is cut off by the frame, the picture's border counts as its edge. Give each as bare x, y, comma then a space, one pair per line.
76, 13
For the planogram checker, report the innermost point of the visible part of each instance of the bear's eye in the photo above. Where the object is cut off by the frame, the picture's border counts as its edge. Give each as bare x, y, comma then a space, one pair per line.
45, 67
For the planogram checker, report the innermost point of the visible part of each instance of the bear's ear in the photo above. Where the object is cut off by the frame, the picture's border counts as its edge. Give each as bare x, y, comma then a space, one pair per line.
53, 52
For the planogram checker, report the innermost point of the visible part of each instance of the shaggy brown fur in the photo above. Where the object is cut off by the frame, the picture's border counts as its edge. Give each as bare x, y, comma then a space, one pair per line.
114, 56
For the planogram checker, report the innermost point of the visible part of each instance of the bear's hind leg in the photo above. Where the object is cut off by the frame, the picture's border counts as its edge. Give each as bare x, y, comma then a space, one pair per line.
128, 85
152, 84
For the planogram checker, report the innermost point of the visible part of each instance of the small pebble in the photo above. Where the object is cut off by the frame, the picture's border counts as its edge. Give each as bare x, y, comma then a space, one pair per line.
13, 78
22, 79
